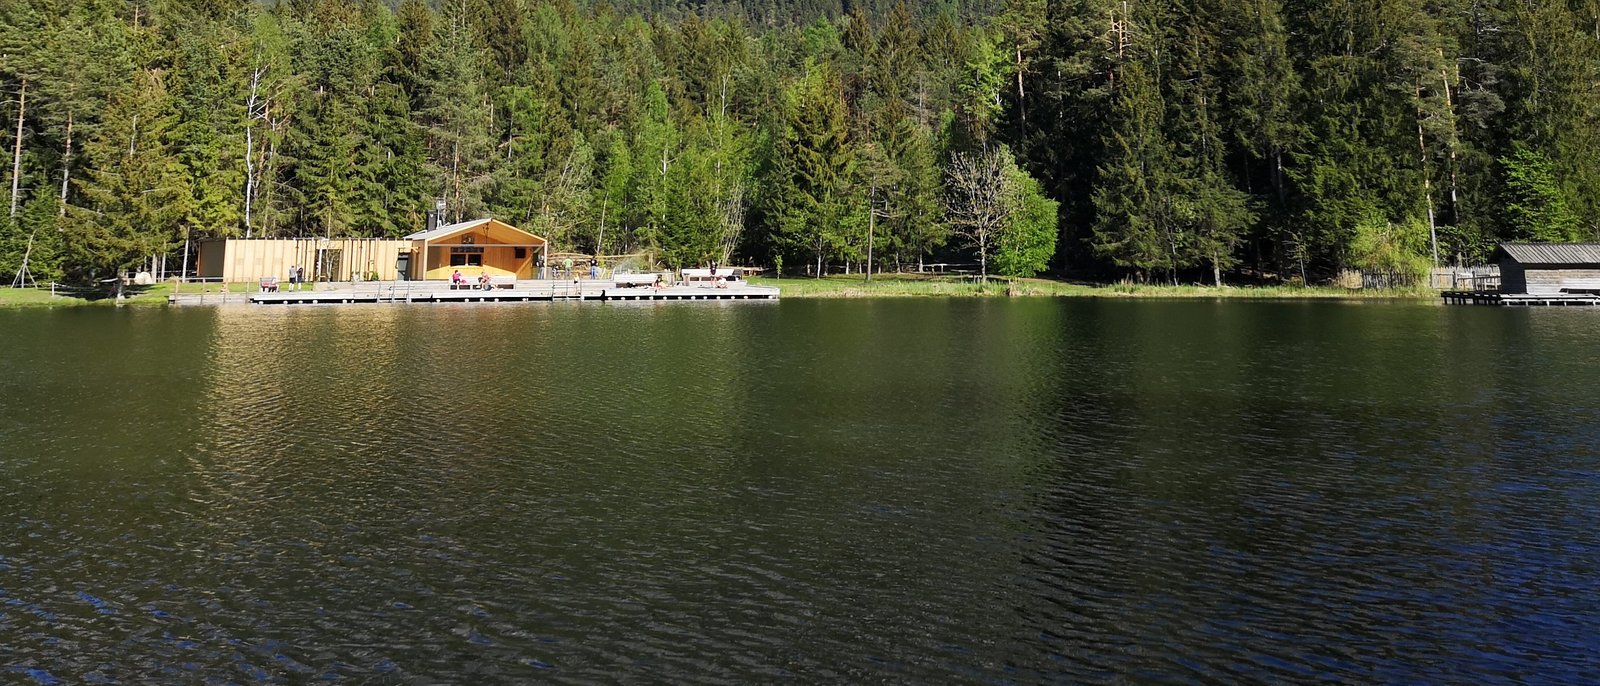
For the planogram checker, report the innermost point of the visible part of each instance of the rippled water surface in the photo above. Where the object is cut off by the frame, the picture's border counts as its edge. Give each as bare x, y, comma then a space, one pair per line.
923, 491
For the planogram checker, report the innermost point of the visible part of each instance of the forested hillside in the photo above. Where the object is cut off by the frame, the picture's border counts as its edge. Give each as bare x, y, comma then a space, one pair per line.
1269, 140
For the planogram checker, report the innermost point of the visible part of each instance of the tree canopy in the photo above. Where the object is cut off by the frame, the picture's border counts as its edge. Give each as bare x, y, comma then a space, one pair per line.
1265, 140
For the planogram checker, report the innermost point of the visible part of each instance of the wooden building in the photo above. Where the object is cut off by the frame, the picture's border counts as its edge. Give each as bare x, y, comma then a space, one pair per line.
1549, 269
475, 247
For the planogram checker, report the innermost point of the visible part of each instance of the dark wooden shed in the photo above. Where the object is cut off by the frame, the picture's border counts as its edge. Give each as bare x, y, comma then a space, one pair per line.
1549, 268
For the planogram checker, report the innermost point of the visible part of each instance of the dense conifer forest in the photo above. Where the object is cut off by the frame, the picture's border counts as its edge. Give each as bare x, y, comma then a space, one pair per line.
1159, 140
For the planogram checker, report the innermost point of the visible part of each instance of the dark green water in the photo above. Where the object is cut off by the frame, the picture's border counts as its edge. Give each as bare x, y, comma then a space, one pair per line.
920, 491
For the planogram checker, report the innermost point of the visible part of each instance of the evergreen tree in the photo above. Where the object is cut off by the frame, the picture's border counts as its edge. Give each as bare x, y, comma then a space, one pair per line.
812, 175
1181, 137
656, 148
1214, 211
1536, 205
135, 192
1134, 223
915, 215
457, 115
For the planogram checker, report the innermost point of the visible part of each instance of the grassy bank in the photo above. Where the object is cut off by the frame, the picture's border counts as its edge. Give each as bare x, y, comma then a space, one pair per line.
18, 298
910, 285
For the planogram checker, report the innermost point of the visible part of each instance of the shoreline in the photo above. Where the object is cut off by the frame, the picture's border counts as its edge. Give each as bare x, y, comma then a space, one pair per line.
41, 299
914, 286
882, 286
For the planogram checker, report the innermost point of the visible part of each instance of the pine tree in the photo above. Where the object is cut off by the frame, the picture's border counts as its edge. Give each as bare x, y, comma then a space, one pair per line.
567, 193
1536, 204
457, 115
208, 139
811, 178
656, 146
1134, 226
1554, 105
613, 192
134, 191
1214, 212
915, 221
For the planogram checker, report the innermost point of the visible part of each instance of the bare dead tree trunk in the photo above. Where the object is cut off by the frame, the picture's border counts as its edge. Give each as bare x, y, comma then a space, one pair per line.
818, 275
269, 160
1449, 103
250, 167
1427, 182
455, 174
66, 168
16, 149
1022, 107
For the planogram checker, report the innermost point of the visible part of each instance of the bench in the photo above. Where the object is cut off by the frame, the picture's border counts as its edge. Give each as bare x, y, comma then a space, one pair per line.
471, 284
634, 280
269, 284
708, 277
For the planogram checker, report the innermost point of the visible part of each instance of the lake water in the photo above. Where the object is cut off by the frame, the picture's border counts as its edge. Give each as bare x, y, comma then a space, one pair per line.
923, 491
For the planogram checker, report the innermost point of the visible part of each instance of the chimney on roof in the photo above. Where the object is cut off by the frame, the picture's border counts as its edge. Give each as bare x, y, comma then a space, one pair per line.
436, 217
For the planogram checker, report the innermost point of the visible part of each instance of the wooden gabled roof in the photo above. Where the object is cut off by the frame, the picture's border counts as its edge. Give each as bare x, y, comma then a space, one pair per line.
491, 224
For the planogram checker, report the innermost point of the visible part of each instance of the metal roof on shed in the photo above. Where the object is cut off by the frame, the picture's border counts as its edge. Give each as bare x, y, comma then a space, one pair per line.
1550, 253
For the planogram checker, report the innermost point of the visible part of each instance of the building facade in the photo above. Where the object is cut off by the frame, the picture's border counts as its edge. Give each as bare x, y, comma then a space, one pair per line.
482, 246
1548, 268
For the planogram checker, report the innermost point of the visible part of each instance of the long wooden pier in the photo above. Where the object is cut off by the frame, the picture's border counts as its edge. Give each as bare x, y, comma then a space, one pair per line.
522, 291
1496, 298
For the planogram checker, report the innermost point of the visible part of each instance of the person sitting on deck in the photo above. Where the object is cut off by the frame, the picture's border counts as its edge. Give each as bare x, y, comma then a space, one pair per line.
455, 279
483, 281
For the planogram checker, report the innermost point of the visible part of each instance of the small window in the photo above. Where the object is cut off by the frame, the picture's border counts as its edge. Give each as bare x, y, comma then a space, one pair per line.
519, 253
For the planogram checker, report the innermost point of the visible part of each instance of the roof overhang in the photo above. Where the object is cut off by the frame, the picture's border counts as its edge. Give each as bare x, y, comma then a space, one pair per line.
1549, 255
495, 229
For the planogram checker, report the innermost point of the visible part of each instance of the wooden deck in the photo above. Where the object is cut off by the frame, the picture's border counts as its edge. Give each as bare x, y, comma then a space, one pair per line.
523, 291
1496, 298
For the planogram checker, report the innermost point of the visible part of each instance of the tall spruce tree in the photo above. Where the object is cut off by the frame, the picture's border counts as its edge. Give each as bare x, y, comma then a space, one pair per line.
811, 179
135, 192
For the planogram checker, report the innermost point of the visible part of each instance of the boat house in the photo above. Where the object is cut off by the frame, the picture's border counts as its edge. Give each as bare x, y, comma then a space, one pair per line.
1549, 269
482, 246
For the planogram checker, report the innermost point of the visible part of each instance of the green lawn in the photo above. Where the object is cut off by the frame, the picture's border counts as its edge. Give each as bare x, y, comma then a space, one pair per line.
12, 298
915, 285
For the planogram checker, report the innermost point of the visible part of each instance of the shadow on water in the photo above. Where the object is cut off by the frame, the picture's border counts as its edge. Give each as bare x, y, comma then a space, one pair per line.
1030, 490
